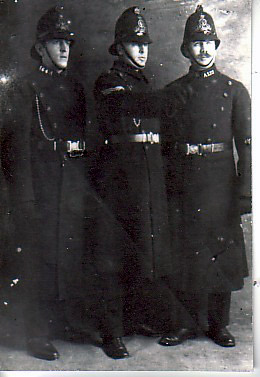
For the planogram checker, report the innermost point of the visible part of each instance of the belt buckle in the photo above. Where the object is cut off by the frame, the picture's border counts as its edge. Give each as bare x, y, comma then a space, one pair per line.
152, 138
200, 149
156, 138
194, 149
75, 148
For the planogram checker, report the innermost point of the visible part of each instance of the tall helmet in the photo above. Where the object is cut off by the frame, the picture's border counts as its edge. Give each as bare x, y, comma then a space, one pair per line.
130, 27
54, 24
199, 27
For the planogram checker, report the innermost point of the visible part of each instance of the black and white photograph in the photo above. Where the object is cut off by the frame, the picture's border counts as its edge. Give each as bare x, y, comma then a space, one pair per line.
126, 186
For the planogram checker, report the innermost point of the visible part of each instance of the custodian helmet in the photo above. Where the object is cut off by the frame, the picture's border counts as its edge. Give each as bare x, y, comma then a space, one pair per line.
199, 26
54, 24
130, 27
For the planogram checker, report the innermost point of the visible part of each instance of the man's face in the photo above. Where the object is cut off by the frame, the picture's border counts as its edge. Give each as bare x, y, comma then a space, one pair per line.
202, 53
55, 53
135, 53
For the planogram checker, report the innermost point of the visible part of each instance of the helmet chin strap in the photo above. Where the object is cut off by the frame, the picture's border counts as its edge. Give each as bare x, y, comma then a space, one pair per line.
55, 65
130, 58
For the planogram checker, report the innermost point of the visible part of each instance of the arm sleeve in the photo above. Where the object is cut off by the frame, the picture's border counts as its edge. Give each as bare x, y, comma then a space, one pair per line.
7, 134
241, 121
115, 97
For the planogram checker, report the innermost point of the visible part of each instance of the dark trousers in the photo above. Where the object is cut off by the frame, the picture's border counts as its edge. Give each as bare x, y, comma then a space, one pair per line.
209, 311
38, 316
155, 304
110, 308
49, 318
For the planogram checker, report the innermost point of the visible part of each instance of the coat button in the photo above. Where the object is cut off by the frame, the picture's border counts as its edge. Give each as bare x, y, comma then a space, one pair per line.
214, 125
19, 249
55, 125
225, 94
209, 141
213, 259
48, 108
229, 82
197, 252
41, 95
221, 239
222, 108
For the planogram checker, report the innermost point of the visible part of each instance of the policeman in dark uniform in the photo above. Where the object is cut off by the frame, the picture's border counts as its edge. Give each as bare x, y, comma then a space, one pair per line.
205, 110
131, 181
53, 206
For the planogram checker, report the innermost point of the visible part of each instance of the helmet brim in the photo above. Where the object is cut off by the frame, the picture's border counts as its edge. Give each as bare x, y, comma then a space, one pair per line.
68, 36
129, 38
184, 48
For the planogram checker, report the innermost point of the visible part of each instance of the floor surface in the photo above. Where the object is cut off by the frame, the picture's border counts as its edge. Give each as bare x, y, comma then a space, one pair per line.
146, 354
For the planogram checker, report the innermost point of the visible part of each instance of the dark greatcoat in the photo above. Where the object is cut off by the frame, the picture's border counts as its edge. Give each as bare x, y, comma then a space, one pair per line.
204, 191
51, 200
131, 177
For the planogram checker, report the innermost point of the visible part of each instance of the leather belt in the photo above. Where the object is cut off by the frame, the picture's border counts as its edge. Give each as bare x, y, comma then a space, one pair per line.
135, 138
70, 147
200, 149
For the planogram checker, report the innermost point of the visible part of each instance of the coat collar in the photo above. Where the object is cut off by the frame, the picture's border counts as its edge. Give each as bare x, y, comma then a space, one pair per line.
50, 72
127, 69
204, 74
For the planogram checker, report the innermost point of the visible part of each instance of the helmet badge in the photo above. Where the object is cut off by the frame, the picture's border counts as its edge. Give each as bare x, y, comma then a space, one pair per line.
62, 25
203, 25
140, 28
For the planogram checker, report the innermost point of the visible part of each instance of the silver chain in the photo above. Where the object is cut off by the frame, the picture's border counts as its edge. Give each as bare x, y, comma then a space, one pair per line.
137, 123
40, 120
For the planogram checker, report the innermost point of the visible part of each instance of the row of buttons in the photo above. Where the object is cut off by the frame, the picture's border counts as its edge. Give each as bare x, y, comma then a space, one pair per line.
222, 108
225, 94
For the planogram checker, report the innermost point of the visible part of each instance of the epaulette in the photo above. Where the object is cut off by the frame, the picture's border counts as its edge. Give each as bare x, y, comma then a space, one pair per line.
107, 91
